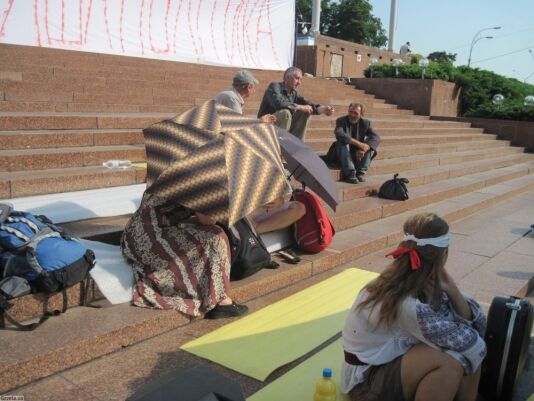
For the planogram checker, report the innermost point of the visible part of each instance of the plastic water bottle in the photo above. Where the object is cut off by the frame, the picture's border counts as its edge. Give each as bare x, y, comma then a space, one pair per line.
325, 389
117, 164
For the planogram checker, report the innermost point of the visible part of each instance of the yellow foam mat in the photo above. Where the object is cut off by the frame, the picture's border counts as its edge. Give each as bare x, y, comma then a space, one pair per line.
263, 341
299, 383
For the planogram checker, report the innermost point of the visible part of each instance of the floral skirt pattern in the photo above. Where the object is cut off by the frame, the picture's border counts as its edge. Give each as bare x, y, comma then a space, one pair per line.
177, 265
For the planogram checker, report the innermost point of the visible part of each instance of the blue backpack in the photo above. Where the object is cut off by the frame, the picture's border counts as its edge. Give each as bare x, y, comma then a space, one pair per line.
37, 256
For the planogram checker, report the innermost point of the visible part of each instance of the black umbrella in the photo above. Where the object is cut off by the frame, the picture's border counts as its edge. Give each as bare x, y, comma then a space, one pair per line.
307, 167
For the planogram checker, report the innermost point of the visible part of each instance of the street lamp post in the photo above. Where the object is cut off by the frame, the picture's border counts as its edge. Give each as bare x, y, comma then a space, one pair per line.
423, 63
476, 38
373, 61
396, 63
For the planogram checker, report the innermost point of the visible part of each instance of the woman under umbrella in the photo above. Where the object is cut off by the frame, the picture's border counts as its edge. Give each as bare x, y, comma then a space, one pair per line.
220, 165
180, 262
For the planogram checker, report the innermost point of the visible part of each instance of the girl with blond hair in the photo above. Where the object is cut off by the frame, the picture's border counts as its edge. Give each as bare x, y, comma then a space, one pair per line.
411, 334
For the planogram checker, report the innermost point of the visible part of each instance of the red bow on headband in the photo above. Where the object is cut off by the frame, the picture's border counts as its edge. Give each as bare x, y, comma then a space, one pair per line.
414, 257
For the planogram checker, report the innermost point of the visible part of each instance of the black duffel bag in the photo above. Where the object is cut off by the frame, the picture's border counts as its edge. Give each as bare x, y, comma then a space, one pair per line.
394, 189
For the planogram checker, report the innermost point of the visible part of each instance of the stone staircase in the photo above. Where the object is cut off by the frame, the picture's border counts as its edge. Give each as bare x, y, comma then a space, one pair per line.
63, 113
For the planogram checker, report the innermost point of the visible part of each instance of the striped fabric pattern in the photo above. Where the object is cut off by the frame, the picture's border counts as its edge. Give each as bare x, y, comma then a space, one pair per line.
215, 161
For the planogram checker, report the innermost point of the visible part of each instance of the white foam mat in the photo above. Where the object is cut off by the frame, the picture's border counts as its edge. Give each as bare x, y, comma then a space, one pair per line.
81, 205
112, 274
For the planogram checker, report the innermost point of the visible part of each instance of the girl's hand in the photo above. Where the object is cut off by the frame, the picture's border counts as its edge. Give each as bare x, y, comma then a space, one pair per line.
446, 282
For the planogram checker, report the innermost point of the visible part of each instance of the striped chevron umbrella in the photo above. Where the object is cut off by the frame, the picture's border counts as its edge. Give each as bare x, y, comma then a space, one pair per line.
215, 162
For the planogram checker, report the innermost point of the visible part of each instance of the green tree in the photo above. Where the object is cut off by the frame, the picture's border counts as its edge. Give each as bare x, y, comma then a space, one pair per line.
442, 57
350, 20
304, 13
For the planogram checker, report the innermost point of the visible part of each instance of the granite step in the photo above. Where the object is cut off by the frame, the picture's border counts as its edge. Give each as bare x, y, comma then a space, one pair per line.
57, 158
398, 122
387, 150
18, 89
429, 174
50, 181
56, 180
108, 229
75, 120
69, 138
406, 163
83, 334
358, 211
387, 132
127, 145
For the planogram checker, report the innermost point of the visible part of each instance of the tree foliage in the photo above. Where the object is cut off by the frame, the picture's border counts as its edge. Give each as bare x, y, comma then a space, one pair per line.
477, 88
442, 57
350, 20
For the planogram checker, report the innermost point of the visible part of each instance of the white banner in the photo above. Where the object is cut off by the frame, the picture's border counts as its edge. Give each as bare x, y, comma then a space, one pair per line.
241, 33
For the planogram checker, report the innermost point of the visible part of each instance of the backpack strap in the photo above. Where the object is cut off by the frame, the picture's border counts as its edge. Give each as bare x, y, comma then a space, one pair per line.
4, 315
19, 234
5, 211
16, 233
322, 223
32, 245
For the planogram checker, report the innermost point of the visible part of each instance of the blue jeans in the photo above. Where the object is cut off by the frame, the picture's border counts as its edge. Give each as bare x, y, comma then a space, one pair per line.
350, 164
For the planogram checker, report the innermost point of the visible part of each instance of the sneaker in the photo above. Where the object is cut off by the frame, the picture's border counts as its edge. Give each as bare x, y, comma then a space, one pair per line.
225, 311
350, 178
360, 177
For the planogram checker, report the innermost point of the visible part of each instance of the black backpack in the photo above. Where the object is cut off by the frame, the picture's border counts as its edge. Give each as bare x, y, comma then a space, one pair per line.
394, 189
249, 253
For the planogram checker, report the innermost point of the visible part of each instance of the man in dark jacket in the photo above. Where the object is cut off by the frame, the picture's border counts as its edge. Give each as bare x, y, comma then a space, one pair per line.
356, 144
291, 109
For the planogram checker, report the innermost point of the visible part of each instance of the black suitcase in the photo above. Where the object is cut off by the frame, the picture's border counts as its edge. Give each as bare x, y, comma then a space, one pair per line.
507, 339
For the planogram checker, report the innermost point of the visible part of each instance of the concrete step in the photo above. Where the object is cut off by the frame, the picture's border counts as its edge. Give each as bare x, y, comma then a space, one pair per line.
84, 334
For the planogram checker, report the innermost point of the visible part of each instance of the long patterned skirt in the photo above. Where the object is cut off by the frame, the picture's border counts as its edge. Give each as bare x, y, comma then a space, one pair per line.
177, 265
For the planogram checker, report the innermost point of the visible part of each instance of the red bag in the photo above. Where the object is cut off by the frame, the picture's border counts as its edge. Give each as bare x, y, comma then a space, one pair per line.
314, 231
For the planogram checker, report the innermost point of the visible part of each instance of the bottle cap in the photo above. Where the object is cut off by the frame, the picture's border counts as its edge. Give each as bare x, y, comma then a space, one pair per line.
327, 372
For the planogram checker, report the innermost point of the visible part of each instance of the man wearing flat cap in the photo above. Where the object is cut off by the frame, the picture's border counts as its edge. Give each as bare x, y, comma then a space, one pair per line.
242, 87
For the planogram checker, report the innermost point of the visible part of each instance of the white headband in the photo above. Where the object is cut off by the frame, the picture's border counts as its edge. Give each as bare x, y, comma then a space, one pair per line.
440, 242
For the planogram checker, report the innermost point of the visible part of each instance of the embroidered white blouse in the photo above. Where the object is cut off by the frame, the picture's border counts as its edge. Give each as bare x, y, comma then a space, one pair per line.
416, 323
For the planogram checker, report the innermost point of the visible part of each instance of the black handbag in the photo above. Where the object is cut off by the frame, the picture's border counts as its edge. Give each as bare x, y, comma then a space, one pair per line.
249, 253
394, 189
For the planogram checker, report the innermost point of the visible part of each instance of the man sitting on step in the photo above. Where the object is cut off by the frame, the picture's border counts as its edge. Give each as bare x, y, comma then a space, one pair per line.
243, 86
274, 215
291, 109
356, 144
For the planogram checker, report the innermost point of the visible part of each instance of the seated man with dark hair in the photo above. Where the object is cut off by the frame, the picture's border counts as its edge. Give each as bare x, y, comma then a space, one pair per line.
356, 144
291, 109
